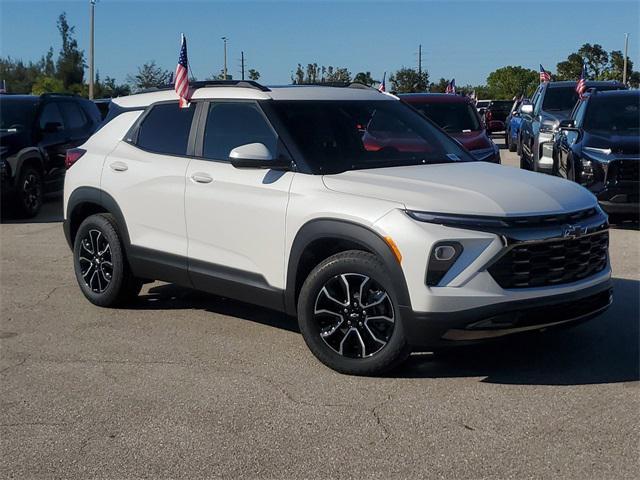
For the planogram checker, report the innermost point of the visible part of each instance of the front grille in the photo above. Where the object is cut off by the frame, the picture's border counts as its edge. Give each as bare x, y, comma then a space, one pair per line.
625, 170
553, 262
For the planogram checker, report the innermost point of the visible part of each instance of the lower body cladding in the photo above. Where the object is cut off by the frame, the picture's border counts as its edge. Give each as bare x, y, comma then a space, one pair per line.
500, 286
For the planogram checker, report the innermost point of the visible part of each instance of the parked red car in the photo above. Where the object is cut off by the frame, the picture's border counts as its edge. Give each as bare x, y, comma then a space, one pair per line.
457, 116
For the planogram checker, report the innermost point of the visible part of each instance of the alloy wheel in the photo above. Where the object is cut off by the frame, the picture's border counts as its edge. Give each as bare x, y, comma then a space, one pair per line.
355, 315
95, 261
31, 191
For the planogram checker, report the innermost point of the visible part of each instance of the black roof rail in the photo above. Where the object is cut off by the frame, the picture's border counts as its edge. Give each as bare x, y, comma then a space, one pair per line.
214, 83
335, 84
60, 95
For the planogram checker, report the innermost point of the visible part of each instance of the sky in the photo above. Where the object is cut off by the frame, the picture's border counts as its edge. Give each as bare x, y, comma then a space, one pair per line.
465, 40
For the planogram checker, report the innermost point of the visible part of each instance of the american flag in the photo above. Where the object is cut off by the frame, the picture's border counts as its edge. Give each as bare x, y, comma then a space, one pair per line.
451, 87
383, 87
544, 75
181, 85
581, 86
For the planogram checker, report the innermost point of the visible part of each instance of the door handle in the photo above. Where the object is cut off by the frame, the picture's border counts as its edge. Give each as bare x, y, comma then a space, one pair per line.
201, 178
119, 166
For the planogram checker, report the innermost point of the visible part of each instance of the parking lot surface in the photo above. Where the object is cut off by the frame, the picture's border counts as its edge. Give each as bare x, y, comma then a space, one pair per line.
188, 385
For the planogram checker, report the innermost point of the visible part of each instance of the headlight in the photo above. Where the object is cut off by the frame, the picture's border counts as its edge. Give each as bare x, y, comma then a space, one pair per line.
453, 220
546, 127
484, 153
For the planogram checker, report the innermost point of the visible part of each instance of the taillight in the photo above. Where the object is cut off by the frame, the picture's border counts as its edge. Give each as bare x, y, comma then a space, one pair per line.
73, 155
488, 115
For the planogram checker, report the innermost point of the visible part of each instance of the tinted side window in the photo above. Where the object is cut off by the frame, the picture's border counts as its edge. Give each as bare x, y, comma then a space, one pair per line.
230, 125
166, 128
50, 114
74, 116
579, 114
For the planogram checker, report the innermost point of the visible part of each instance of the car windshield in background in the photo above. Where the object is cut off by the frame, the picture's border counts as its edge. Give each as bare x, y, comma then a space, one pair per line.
451, 117
16, 115
336, 136
503, 105
620, 115
557, 99
482, 104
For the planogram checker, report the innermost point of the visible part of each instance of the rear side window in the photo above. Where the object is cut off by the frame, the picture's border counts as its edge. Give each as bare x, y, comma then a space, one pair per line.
50, 114
230, 125
165, 129
74, 115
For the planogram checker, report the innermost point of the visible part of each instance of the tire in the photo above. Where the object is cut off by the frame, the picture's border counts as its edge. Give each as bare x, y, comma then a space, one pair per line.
375, 342
524, 165
510, 145
29, 190
100, 263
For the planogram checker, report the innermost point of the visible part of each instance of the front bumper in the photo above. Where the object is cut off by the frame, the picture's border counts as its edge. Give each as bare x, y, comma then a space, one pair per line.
436, 330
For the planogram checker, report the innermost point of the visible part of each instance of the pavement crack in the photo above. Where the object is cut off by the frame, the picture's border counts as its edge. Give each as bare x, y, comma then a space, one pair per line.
15, 365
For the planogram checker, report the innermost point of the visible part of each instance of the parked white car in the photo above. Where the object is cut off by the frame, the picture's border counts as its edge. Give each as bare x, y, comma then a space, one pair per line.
343, 207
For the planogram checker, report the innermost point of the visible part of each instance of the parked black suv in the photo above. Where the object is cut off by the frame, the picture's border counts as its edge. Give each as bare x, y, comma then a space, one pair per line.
551, 103
599, 147
35, 133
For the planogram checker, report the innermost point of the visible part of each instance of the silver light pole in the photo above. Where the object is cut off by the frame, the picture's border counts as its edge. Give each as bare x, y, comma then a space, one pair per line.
92, 5
624, 68
224, 70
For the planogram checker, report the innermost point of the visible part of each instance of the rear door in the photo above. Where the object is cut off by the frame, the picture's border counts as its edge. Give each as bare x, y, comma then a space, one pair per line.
235, 217
145, 173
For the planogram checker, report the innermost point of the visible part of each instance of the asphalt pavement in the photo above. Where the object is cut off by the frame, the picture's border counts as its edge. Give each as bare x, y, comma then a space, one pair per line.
189, 385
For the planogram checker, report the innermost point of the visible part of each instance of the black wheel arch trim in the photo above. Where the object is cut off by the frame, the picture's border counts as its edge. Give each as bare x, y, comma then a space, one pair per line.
328, 228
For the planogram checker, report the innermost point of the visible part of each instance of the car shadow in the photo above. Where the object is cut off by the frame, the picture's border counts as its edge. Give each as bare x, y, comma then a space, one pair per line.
603, 350
51, 212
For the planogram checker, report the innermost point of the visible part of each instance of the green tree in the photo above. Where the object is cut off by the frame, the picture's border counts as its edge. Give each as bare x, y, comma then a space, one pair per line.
46, 84
596, 59
364, 78
70, 65
149, 76
508, 82
254, 74
569, 69
337, 74
616, 66
440, 86
407, 80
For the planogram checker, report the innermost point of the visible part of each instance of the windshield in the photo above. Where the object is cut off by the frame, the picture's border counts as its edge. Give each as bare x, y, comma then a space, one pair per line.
16, 115
614, 114
482, 103
336, 136
451, 117
565, 98
501, 105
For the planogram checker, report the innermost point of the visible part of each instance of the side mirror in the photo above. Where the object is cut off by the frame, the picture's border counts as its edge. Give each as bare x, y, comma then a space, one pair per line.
52, 127
256, 155
526, 108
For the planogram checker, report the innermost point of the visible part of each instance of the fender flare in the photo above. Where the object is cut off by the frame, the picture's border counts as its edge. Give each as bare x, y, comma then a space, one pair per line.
98, 197
324, 228
26, 154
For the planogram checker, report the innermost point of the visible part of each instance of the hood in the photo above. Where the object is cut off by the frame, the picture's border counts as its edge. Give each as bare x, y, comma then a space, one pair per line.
628, 144
555, 116
471, 188
473, 140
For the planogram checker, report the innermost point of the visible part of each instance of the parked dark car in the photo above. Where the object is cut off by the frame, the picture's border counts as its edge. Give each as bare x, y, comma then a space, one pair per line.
35, 133
551, 103
457, 116
512, 125
495, 115
599, 147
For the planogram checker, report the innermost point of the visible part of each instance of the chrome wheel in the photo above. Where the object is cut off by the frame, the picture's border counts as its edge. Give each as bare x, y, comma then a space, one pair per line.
96, 266
355, 315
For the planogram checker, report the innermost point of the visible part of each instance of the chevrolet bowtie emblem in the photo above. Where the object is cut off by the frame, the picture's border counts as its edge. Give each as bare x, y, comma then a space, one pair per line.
573, 231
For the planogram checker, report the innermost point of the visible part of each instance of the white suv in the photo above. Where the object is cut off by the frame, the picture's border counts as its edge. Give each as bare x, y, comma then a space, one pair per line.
341, 206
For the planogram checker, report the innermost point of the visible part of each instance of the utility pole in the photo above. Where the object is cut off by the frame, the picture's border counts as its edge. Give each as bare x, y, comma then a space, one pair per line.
242, 63
92, 6
420, 60
224, 70
624, 68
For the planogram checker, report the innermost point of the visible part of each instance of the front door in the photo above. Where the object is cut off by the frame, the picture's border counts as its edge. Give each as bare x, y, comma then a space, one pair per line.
235, 217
